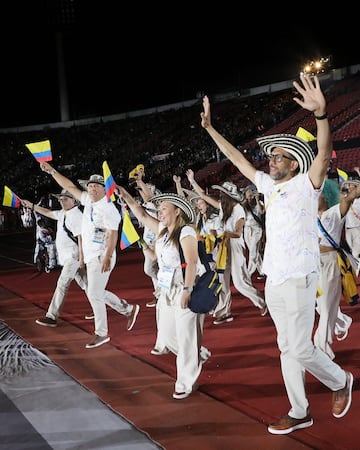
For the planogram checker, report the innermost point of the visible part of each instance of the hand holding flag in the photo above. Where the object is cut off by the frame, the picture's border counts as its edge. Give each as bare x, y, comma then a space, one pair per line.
109, 182
41, 151
11, 199
128, 233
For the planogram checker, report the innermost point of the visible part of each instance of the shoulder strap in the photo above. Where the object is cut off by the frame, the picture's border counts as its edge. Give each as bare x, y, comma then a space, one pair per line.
327, 235
202, 256
69, 233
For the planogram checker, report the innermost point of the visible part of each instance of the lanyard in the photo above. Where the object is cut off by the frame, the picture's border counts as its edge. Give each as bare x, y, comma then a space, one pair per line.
272, 197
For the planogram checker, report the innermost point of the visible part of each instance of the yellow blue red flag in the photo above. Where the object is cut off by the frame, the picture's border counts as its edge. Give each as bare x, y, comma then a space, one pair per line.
41, 151
343, 176
109, 182
129, 234
11, 199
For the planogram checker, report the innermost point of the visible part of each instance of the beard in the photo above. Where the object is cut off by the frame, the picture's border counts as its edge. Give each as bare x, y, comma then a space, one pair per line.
280, 174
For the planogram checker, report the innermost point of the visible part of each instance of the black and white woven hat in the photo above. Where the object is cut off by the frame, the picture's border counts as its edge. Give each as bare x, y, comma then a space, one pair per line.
231, 190
351, 180
296, 147
178, 201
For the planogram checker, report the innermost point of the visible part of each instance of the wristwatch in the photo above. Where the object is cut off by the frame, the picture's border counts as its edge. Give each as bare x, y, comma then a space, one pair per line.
187, 288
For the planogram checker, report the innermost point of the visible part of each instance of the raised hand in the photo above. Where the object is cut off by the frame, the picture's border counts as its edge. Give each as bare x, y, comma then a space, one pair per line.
205, 115
312, 97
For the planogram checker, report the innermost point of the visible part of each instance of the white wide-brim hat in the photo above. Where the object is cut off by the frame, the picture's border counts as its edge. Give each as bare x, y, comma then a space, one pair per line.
231, 190
296, 147
178, 201
99, 179
350, 180
63, 193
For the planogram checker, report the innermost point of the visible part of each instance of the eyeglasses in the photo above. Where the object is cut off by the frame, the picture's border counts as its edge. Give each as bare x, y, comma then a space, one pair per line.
278, 157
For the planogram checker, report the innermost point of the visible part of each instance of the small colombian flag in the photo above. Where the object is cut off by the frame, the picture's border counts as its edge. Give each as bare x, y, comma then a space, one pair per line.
41, 151
128, 233
343, 176
109, 182
11, 199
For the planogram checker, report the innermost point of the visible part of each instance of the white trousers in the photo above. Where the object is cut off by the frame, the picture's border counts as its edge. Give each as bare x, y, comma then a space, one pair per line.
69, 272
252, 237
327, 305
181, 331
352, 236
236, 269
292, 308
99, 297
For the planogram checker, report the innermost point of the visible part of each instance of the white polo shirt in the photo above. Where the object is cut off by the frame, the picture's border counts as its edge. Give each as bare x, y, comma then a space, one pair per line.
98, 217
66, 248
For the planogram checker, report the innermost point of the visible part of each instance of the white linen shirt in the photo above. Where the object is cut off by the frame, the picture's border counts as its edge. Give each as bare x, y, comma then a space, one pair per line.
101, 215
237, 213
353, 215
66, 247
333, 223
292, 242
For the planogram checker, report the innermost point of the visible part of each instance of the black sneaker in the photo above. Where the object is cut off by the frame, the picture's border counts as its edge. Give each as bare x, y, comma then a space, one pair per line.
46, 322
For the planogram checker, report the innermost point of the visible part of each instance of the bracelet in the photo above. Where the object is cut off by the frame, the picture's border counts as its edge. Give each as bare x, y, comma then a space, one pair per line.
192, 182
53, 172
324, 116
187, 288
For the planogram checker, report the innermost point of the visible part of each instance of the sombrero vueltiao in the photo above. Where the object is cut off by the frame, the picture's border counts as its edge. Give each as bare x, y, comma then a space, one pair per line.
231, 190
296, 147
178, 201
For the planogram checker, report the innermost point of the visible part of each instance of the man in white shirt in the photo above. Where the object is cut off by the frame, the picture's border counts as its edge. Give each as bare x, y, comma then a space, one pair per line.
68, 242
291, 264
99, 233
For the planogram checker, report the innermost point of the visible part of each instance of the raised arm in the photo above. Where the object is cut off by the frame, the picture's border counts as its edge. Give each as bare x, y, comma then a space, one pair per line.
231, 152
144, 190
138, 211
179, 188
39, 209
313, 100
61, 180
199, 190
346, 200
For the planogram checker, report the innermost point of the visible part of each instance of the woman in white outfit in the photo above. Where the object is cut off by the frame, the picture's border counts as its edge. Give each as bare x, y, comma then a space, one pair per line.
254, 229
332, 221
178, 327
231, 220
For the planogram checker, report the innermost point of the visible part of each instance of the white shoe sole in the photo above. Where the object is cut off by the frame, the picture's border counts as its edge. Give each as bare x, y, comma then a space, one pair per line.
137, 309
347, 407
104, 341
